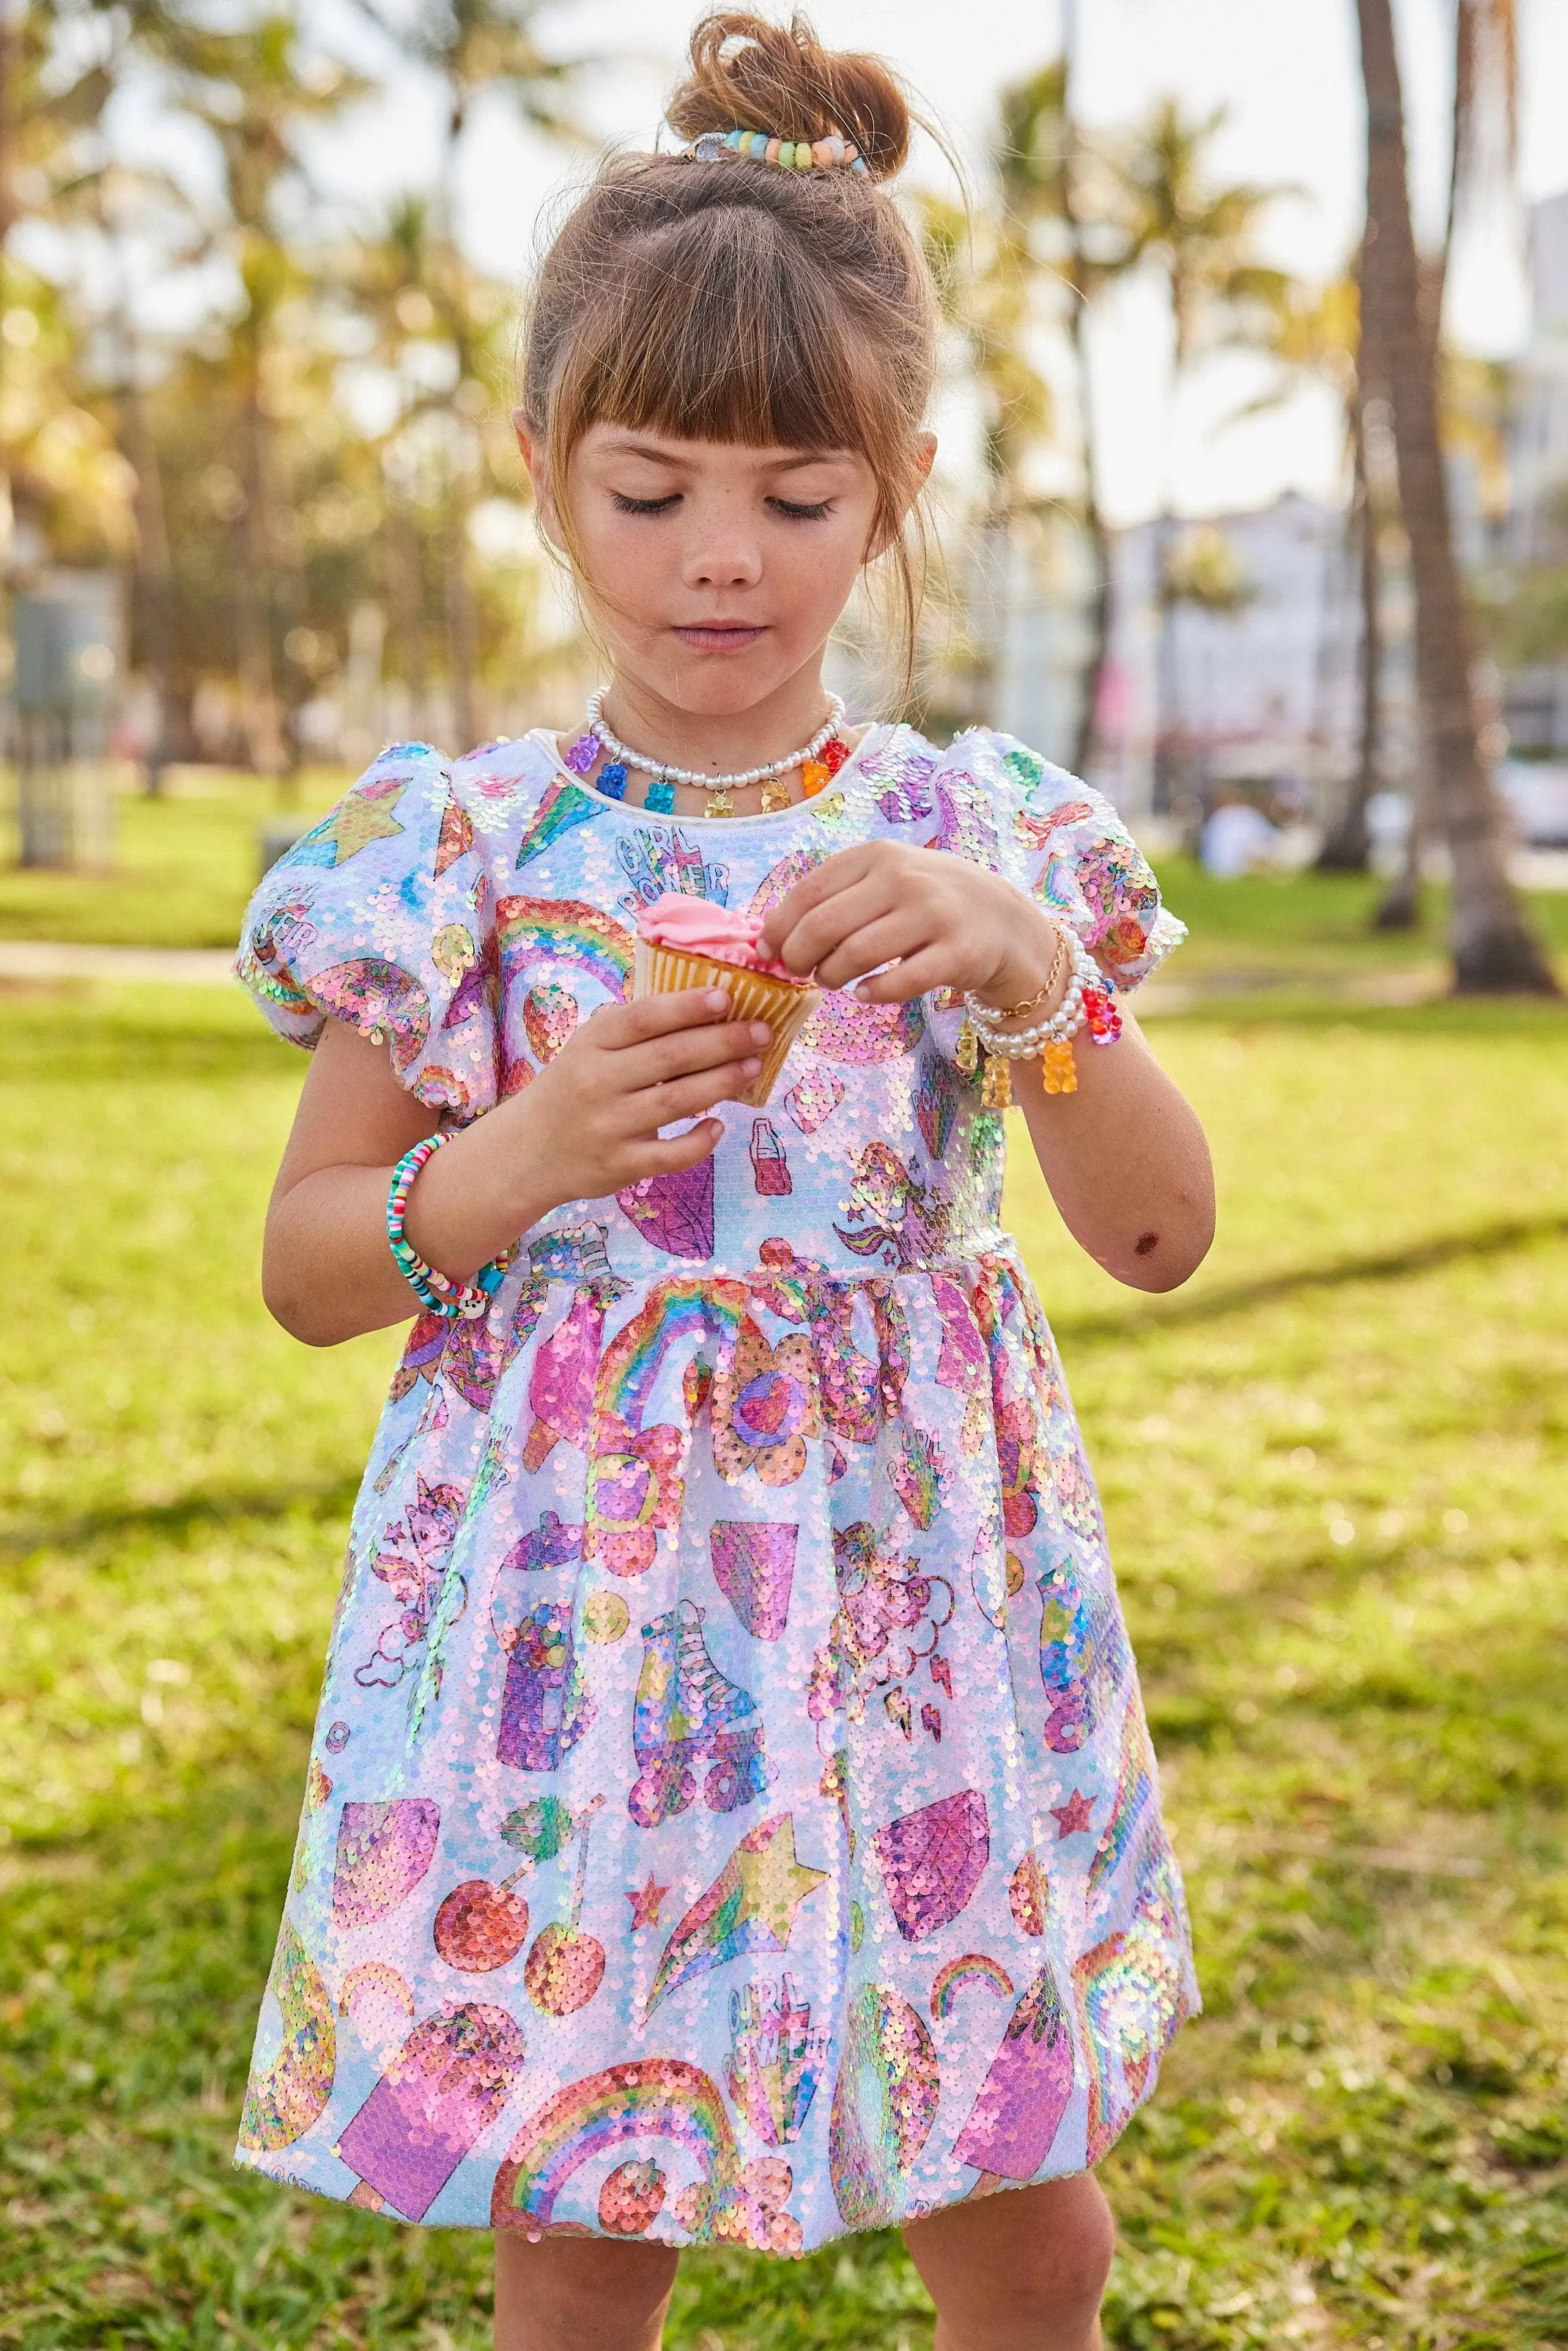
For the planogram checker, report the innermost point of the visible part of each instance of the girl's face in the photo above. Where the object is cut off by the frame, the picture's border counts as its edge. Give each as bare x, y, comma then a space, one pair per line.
716, 571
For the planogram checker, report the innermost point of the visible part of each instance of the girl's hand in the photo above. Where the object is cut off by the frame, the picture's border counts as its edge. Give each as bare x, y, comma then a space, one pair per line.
588, 1124
935, 921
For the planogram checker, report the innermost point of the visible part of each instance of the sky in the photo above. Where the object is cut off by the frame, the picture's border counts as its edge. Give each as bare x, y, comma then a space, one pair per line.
1286, 70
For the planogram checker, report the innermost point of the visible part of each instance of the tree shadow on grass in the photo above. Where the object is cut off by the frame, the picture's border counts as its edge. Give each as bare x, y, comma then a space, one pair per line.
1498, 1238
188, 1514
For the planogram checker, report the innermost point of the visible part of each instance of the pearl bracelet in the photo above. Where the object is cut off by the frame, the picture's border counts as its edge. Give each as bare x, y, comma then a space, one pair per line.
1086, 1004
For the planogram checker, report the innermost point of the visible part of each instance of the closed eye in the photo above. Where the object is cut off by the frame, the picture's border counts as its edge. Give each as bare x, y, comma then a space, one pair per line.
646, 505
796, 513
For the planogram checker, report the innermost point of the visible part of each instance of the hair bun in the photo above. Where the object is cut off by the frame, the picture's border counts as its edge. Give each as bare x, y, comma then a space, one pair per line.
747, 73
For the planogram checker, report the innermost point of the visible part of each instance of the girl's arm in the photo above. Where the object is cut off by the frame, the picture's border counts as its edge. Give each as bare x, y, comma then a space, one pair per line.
587, 1125
1124, 1156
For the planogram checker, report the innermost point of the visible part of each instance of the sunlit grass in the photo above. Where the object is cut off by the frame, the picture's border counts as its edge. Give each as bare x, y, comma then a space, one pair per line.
1334, 1472
186, 865
183, 866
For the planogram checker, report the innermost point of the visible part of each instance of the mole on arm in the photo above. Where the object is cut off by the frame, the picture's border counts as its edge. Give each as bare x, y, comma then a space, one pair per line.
1144, 1243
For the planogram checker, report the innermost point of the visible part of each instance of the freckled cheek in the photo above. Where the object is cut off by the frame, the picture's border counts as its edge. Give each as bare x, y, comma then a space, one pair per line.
813, 582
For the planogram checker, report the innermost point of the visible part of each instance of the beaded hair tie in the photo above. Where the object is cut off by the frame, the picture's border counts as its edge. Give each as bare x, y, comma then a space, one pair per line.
831, 154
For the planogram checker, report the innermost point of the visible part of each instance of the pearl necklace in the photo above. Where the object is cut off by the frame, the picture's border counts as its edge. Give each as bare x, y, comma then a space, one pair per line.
816, 761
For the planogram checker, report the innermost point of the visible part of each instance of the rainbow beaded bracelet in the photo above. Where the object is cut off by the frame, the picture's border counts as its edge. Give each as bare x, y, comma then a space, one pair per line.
434, 1291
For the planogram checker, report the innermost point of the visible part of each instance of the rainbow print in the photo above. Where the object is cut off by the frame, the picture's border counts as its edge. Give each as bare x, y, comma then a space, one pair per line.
648, 2097
563, 806
973, 1968
1134, 1791
1131, 1998
373, 1978
630, 1367
565, 931
283, 2102
884, 2103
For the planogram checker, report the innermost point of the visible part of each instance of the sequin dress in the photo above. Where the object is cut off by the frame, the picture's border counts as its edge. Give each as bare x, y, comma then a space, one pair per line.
731, 1816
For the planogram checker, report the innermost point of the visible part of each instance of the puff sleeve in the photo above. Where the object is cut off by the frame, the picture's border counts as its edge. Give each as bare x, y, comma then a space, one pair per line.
380, 916
1079, 859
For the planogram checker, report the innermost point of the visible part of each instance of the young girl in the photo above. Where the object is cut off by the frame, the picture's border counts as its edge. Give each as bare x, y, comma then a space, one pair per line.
731, 1818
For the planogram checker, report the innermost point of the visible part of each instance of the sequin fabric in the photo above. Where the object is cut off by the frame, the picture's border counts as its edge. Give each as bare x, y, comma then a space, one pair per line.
731, 1816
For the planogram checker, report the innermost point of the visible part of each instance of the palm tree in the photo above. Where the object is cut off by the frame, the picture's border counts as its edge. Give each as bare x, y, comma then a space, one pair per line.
1490, 940
473, 48
1046, 171
247, 89
1202, 238
986, 282
1315, 335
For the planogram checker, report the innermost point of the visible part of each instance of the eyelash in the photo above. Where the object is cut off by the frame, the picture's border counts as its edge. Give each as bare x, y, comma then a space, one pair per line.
790, 512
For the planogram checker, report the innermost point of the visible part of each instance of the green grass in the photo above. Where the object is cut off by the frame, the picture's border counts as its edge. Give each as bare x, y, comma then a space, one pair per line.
1334, 1472
184, 865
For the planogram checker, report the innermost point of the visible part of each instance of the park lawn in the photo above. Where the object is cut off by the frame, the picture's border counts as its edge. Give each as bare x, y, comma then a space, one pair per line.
186, 864
1336, 1478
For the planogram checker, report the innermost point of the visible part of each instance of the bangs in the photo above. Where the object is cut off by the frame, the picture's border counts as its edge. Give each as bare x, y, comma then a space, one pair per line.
737, 303
718, 327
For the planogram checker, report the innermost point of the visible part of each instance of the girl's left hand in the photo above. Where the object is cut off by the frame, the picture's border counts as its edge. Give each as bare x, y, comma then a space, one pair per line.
935, 921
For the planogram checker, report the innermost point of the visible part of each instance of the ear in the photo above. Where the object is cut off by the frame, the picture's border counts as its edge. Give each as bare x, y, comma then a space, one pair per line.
925, 458
533, 457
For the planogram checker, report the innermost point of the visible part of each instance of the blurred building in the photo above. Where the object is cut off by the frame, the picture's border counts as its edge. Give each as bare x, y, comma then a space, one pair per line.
1234, 660
1535, 697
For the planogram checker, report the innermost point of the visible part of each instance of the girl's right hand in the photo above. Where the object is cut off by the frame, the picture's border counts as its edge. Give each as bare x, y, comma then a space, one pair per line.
592, 1115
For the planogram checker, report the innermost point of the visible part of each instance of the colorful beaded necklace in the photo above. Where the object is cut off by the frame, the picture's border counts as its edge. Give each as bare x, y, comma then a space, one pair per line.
818, 760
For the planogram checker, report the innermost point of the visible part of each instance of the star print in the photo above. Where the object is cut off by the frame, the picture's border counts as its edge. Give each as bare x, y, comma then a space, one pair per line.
363, 816
645, 1901
1074, 1816
749, 1907
773, 1884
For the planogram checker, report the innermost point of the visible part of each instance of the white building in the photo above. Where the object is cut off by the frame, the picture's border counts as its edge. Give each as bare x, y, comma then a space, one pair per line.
1250, 678
1536, 700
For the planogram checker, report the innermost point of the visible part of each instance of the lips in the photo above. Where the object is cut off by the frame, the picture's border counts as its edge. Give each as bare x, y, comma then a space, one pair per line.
718, 636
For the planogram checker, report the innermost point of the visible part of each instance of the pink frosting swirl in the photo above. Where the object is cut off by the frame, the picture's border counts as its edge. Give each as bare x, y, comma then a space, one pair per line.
697, 926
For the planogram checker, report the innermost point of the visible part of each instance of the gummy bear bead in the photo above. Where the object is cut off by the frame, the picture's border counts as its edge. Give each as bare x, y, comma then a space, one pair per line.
813, 776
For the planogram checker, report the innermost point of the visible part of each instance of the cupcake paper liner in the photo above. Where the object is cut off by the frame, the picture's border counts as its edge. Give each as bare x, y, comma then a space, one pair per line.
754, 995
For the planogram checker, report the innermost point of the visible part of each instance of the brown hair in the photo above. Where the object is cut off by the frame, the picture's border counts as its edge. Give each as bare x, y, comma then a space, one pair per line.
734, 301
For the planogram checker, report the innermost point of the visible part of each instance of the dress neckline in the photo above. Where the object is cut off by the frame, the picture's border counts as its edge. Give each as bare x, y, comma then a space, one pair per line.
880, 729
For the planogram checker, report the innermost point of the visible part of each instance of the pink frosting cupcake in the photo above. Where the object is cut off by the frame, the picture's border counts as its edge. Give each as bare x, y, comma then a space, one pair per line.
685, 942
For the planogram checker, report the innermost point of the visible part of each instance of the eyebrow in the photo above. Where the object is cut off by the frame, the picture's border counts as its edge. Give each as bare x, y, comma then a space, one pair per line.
792, 463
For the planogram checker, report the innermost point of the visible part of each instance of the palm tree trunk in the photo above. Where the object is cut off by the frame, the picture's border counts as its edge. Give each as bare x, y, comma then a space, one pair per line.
1094, 666
153, 586
1490, 940
264, 739
152, 579
1348, 843
461, 619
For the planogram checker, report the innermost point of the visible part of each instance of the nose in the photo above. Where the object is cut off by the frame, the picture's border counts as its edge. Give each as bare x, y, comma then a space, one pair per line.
722, 553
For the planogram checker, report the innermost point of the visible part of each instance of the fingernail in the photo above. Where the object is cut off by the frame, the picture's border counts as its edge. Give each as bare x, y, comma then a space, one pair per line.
751, 1067
717, 1001
760, 1033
